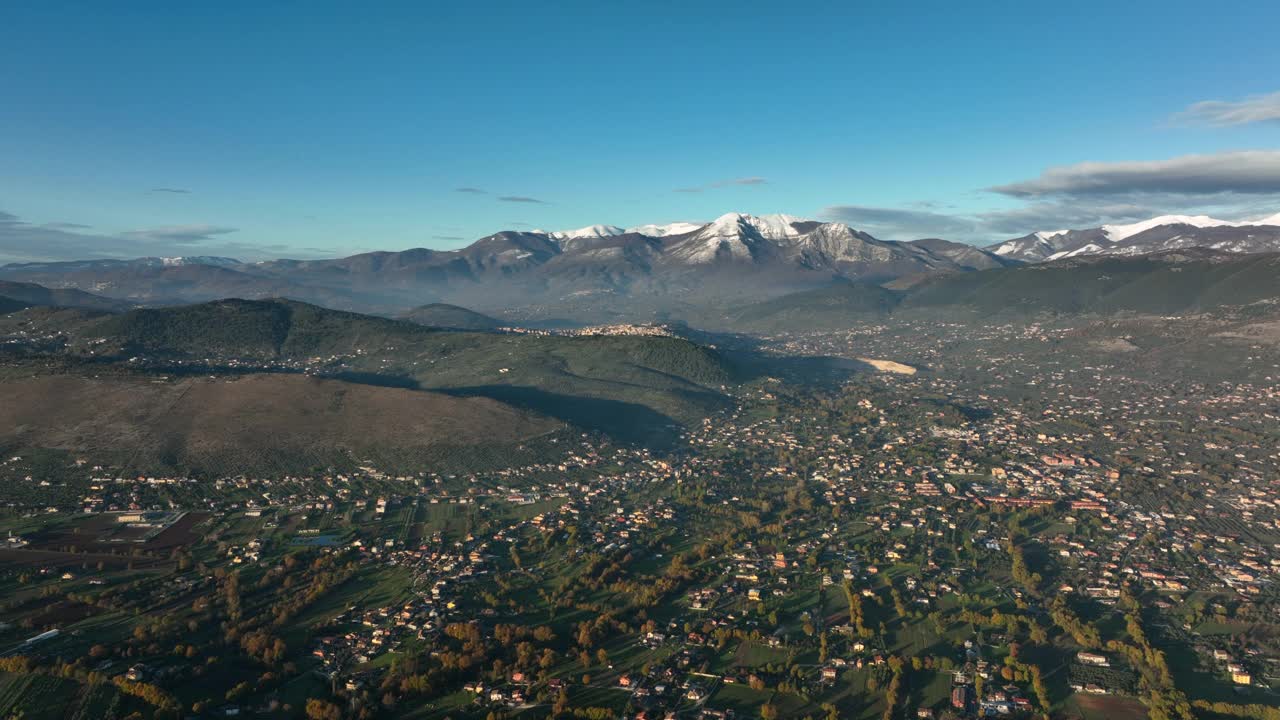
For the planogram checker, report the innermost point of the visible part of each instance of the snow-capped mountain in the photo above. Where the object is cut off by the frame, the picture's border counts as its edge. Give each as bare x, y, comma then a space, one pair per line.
198, 260
675, 228
1116, 233
735, 236
737, 255
1158, 234
1039, 246
591, 231
142, 262
770, 227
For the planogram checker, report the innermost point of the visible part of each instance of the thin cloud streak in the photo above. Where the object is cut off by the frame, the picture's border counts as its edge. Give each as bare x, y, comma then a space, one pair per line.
1223, 113
180, 233
730, 182
893, 222
739, 181
501, 198
21, 241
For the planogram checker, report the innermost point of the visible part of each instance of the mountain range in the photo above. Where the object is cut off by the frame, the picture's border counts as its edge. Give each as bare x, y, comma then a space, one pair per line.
1158, 234
735, 257
603, 273
281, 386
1170, 283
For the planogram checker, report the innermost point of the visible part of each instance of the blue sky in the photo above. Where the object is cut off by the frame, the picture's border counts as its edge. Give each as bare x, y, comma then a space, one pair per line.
315, 129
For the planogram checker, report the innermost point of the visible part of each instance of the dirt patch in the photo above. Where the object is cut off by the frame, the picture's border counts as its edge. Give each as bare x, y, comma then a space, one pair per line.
63, 613
1261, 332
104, 534
67, 560
1084, 706
889, 366
1116, 345
179, 534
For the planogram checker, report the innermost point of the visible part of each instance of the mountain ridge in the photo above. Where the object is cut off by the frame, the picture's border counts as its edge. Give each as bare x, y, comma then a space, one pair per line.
1168, 283
1154, 235
604, 272
735, 254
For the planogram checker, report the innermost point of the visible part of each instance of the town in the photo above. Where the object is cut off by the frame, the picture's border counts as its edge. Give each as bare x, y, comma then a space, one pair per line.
997, 535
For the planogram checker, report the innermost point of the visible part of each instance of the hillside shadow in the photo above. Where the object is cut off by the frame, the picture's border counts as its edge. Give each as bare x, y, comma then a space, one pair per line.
808, 369
377, 379
385, 380
749, 359
625, 422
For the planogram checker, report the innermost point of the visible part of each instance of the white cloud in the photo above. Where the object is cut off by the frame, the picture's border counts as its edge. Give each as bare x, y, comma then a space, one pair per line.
1246, 172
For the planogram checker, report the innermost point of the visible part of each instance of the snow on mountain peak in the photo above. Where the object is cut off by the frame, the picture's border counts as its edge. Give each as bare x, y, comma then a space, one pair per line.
771, 227
1176, 232
1117, 233
778, 226
675, 228
1050, 234
199, 260
592, 231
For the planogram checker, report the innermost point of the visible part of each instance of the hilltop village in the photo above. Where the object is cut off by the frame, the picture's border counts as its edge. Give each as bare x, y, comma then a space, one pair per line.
998, 534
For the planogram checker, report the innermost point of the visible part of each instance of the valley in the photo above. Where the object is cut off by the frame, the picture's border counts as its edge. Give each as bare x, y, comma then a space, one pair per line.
288, 511
639, 361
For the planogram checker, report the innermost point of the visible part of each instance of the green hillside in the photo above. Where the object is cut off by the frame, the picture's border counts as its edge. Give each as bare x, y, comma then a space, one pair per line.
634, 388
1168, 284
827, 308
451, 317
9, 305
33, 294
267, 329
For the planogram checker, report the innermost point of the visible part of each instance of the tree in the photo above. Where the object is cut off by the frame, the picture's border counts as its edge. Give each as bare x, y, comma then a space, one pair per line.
322, 710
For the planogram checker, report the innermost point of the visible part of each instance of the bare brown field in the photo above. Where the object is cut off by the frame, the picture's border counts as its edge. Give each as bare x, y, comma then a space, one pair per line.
63, 613
260, 422
103, 533
1083, 706
180, 534
22, 558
